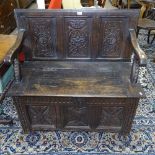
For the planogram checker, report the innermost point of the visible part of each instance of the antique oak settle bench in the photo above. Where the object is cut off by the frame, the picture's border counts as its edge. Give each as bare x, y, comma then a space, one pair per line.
80, 72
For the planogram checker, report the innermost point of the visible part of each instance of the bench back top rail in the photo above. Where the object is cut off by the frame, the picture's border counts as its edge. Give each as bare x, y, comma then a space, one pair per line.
85, 34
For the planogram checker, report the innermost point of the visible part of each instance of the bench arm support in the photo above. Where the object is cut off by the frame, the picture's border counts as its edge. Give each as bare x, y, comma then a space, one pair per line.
12, 55
139, 58
13, 52
140, 54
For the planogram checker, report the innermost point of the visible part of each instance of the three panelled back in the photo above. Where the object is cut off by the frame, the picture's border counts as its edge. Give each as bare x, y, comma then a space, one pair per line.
93, 34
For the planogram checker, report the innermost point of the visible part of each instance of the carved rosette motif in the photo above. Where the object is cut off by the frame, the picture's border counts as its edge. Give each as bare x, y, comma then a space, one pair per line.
111, 116
44, 37
77, 37
111, 41
40, 115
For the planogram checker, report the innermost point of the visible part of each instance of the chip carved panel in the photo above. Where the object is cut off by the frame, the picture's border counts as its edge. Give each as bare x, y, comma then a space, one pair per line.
43, 37
41, 115
111, 116
76, 113
77, 37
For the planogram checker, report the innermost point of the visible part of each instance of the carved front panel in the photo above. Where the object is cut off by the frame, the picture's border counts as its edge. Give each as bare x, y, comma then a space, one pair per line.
107, 114
111, 116
77, 37
75, 114
43, 35
41, 115
111, 38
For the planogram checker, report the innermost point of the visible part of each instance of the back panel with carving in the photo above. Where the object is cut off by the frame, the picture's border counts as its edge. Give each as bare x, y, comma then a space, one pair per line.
74, 34
77, 37
112, 37
43, 37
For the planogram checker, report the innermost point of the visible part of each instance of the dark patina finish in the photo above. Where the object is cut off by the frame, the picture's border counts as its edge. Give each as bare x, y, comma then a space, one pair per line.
78, 73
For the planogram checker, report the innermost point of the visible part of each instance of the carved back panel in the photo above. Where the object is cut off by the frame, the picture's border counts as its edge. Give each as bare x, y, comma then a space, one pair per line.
89, 34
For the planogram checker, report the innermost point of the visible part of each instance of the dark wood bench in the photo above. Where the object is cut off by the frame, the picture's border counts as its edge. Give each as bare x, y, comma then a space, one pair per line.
78, 73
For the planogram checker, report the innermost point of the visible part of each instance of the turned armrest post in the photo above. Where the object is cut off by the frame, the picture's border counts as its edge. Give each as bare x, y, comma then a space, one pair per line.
17, 70
12, 56
140, 54
139, 57
134, 70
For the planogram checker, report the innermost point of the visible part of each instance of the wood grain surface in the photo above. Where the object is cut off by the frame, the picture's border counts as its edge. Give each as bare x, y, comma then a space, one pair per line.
6, 42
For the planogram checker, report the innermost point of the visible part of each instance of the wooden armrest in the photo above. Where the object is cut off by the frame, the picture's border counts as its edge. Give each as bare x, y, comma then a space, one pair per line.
13, 52
142, 58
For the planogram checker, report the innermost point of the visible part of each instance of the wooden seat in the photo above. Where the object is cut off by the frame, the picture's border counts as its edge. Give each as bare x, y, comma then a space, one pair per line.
95, 79
6, 42
80, 71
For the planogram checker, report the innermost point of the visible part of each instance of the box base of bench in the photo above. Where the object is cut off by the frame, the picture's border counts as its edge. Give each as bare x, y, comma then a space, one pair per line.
76, 113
